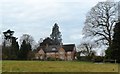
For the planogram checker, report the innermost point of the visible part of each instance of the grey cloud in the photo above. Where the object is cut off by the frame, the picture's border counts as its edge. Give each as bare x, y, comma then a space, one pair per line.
37, 17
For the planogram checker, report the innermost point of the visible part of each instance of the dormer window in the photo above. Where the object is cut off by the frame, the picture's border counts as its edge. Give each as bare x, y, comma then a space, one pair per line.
53, 48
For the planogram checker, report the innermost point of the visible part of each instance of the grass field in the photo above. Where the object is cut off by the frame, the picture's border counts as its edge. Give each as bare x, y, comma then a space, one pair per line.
0, 66
57, 66
119, 68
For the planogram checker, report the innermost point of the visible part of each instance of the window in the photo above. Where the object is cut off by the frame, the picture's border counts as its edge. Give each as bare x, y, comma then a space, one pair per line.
53, 48
62, 57
61, 52
41, 57
69, 58
68, 52
37, 57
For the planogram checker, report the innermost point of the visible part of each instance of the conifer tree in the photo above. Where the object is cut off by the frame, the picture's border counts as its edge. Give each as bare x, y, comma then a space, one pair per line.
56, 35
24, 50
14, 48
113, 51
10, 46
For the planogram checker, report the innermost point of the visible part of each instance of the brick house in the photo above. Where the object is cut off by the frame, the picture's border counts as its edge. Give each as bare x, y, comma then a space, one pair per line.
63, 52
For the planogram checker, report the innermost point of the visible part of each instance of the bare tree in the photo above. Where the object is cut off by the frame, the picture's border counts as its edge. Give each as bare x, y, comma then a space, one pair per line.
29, 39
86, 48
100, 22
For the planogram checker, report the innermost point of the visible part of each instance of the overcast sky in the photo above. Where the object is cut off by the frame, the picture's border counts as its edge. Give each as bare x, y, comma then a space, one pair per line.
37, 17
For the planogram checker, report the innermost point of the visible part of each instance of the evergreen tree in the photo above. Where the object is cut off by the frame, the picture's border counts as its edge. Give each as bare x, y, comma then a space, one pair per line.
5, 53
56, 35
14, 48
10, 46
113, 51
24, 50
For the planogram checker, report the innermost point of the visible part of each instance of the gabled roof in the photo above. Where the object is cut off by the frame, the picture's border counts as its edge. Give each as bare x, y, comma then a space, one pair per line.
39, 48
68, 47
51, 47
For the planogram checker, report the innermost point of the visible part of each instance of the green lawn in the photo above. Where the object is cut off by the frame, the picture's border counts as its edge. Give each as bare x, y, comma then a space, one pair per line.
56, 66
119, 68
0, 66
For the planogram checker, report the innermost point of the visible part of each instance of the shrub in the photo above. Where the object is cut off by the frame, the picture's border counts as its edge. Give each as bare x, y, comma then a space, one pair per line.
51, 59
98, 59
85, 58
